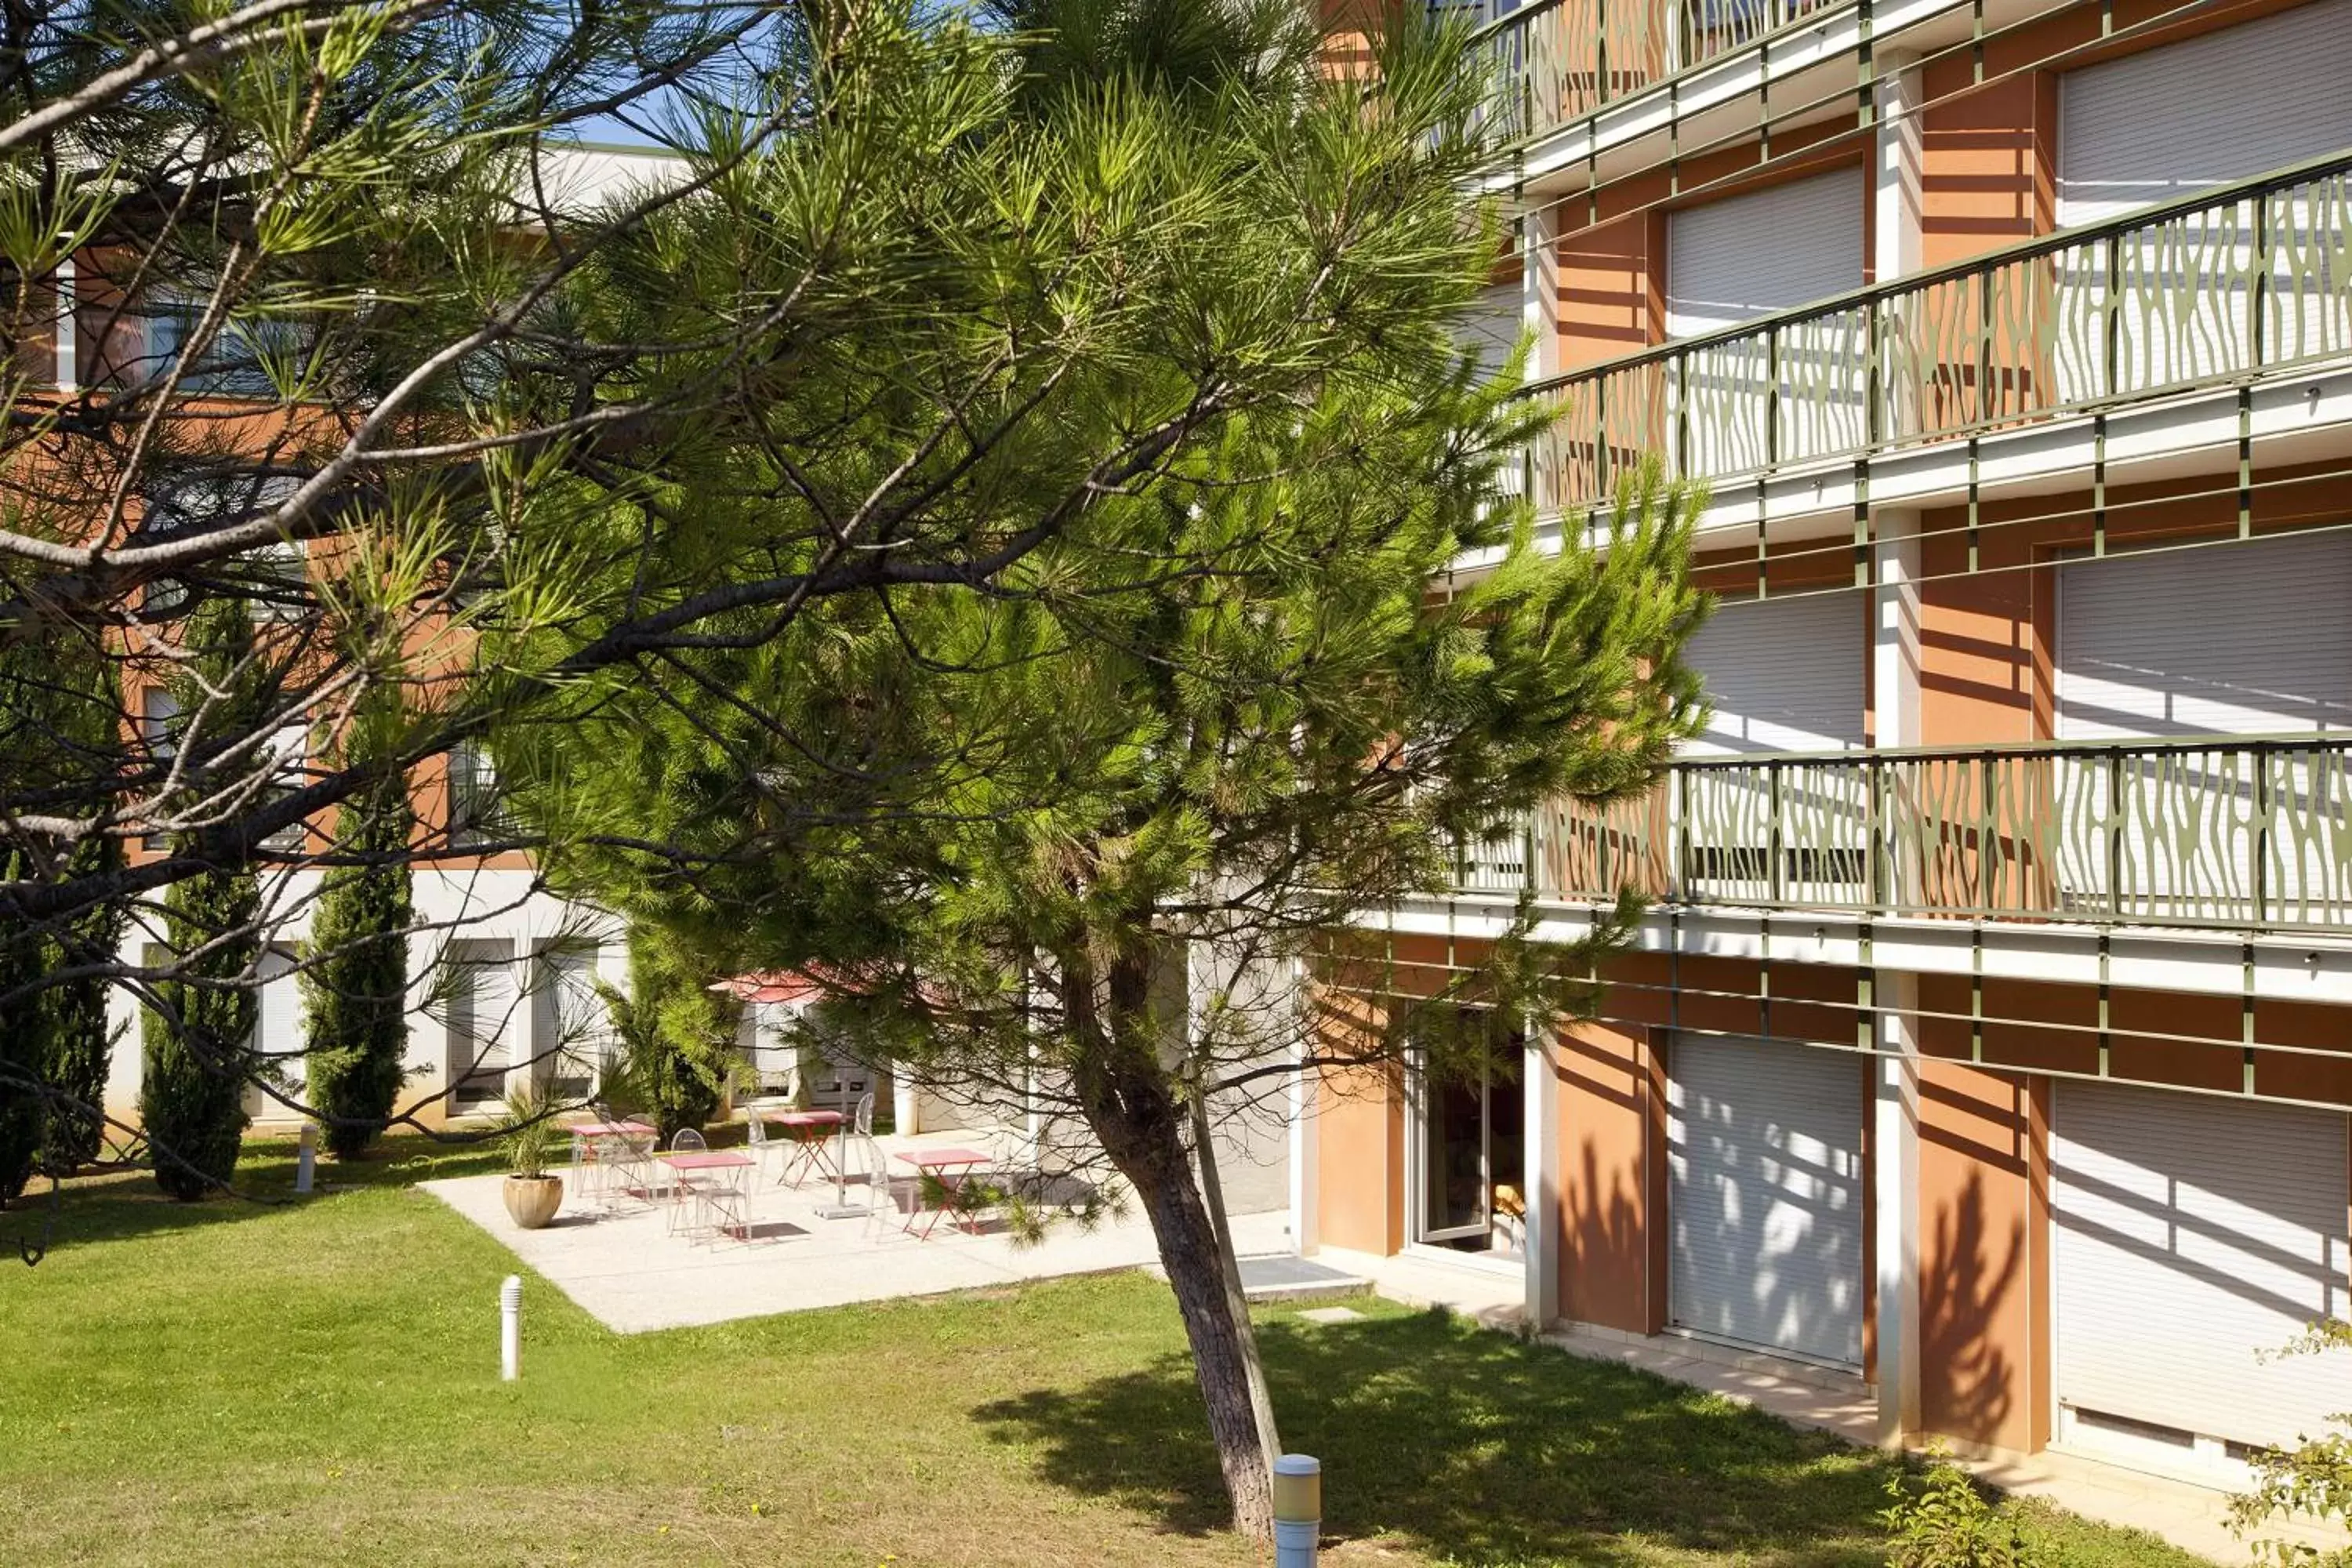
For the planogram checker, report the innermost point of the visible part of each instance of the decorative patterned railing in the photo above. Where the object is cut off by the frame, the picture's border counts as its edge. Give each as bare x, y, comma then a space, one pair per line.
2241, 835
1554, 61
2213, 289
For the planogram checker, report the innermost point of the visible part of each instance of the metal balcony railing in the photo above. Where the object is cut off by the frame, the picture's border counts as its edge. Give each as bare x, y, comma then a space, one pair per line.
2210, 289
1554, 61
2230, 834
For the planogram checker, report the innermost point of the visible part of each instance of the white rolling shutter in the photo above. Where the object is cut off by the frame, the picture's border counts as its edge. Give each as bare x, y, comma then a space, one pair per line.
2221, 107
1784, 675
2192, 1234
277, 1035
1734, 260
574, 1031
1493, 326
2238, 639
1764, 1193
483, 1019
1745, 257
2183, 118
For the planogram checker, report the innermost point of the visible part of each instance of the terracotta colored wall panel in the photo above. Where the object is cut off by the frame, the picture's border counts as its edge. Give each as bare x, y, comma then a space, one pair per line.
2134, 1055
2079, 28
1360, 1168
1612, 290
2310, 1026
2019, 1016
1639, 990
1988, 671
1735, 1010
1605, 1206
1941, 1034
1360, 1112
2014, 1043
1712, 176
1732, 571
1813, 1002
1987, 163
1983, 670
1978, 1311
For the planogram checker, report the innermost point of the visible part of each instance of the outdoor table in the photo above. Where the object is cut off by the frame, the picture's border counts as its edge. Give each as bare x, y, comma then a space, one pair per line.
687, 1160
588, 1138
810, 1131
953, 1167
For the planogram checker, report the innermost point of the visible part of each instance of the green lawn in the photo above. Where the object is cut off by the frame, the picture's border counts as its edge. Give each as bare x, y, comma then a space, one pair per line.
244, 1385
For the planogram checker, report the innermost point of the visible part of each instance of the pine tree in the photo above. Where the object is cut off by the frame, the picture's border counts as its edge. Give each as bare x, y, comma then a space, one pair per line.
198, 1055
1236, 700
354, 987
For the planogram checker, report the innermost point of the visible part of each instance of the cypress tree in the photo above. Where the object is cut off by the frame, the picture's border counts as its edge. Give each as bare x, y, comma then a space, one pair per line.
191, 1088
61, 712
354, 990
197, 1053
79, 1037
23, 1050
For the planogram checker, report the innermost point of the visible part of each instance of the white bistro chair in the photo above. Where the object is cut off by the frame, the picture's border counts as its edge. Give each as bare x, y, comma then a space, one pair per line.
684, 1186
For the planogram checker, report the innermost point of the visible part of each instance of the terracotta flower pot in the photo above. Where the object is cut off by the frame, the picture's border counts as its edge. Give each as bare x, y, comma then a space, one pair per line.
533, 1200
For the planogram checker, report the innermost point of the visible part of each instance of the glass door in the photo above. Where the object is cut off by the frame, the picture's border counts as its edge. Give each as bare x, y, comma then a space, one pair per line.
1473, 1149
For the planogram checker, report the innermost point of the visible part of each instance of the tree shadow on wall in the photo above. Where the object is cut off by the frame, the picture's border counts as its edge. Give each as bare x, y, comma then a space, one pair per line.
1965, 1373
1606, 1272
1476, 1446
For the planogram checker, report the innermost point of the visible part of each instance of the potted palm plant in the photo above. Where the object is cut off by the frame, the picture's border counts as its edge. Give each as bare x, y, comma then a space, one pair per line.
531, 1141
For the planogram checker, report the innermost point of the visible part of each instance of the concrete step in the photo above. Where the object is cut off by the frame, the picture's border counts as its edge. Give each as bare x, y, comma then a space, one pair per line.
1279, 1277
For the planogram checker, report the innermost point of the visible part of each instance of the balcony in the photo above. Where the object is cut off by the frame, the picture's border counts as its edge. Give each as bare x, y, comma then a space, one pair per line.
1553, 62
2236, 834
2216, 288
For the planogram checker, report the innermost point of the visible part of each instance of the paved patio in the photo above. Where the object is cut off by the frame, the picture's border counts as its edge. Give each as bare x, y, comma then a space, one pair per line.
629, 1274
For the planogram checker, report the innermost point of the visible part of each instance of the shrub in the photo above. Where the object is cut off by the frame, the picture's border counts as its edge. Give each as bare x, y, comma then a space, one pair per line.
1941, 1519
53, 1038
80, 1038
23, 1055
2313, 1479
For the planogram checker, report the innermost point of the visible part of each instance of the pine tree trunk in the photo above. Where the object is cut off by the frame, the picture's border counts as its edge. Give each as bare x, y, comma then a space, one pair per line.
1139, 1124
1229, 1266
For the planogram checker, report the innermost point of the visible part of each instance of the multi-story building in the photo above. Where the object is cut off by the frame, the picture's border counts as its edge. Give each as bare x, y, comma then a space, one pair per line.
1987, 1039
502, 972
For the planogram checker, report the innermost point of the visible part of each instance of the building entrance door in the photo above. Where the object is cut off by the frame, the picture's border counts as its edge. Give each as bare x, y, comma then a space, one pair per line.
1472, 1147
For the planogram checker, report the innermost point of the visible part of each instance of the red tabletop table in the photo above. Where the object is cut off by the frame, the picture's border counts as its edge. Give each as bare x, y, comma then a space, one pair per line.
715, 1160
953, 1167
809, 1130
591, 1138
607, 1128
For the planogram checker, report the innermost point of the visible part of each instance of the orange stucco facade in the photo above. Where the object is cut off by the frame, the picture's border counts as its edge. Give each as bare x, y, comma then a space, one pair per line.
1982, 1196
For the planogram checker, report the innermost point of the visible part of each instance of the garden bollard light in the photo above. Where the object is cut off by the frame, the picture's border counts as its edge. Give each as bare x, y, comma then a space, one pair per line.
511, 1329
306, 1156
1297, 1509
